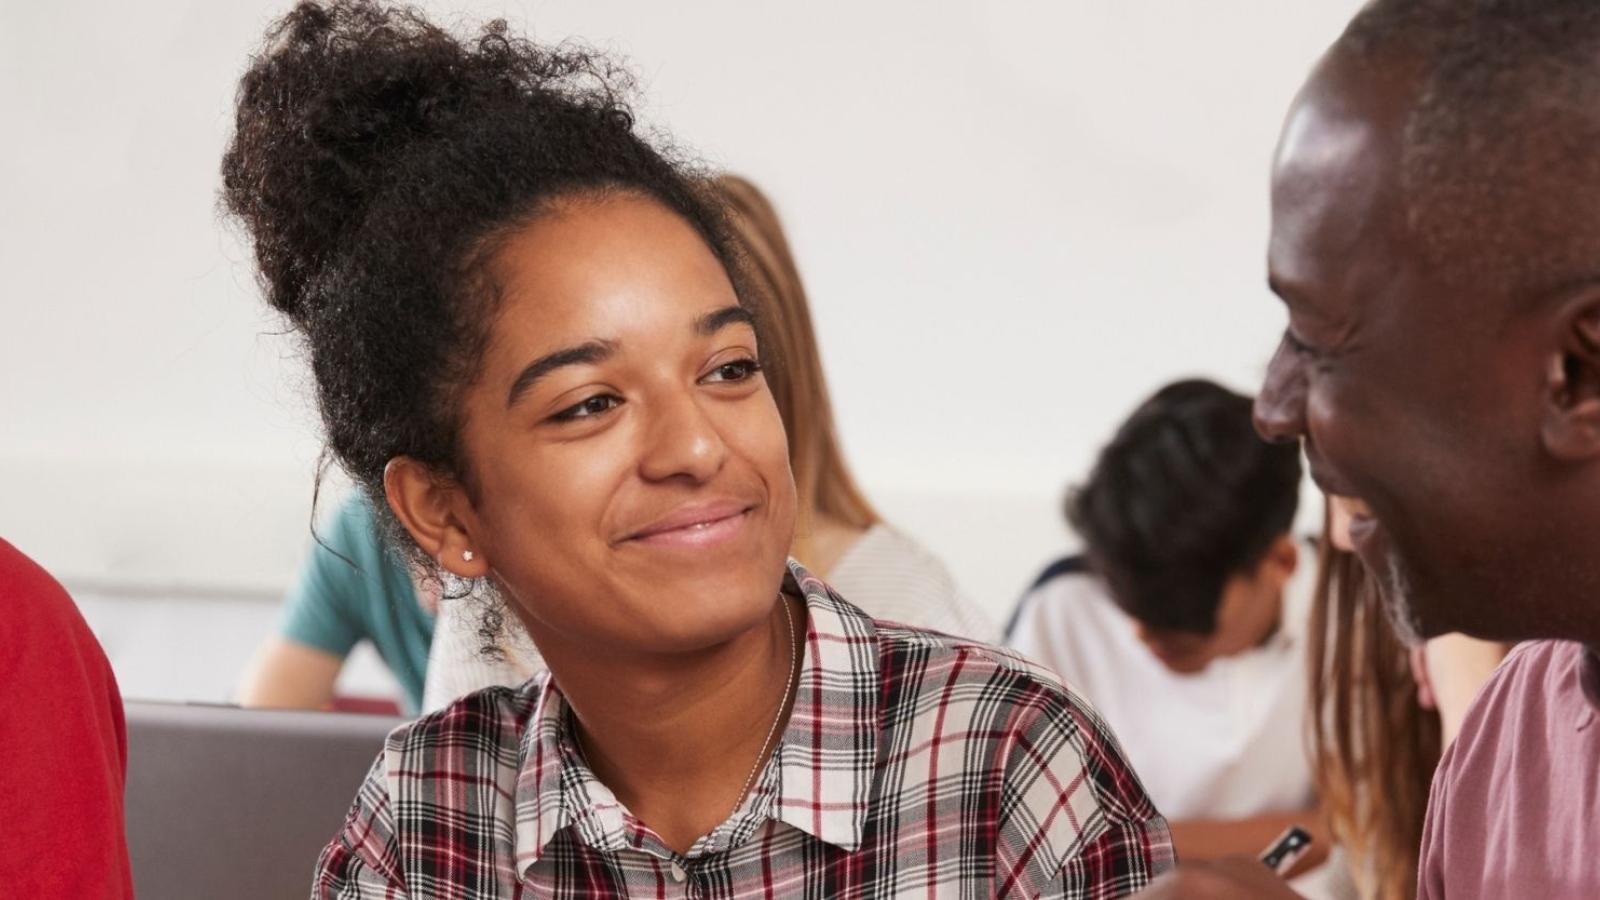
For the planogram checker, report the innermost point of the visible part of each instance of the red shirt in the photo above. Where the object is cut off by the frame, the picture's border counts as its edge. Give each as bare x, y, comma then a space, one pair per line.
63, 746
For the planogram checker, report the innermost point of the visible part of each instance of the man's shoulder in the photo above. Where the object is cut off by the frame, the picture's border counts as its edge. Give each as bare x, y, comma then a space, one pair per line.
1068, 620
1066, 590
1511, 710
1531, 669
1065, 567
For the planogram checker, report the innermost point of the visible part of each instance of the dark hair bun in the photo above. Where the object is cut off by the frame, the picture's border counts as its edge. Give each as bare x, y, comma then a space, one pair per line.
338, 98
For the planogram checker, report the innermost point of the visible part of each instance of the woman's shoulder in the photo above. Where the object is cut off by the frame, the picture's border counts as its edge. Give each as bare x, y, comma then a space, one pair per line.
994, 688
485, 725
969, 659
1005, 715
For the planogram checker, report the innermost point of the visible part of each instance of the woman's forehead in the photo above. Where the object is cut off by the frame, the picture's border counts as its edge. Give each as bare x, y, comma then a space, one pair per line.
624, 270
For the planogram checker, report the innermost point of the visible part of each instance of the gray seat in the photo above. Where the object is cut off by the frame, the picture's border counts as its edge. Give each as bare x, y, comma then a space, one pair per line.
237, 803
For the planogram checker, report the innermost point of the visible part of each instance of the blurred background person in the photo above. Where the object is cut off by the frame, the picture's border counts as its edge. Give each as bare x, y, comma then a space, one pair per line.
63, 746
838, 533
1382, 714
351, 588
1184, 621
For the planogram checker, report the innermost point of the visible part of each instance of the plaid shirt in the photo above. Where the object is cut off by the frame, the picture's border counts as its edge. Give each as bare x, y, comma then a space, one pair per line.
913, 764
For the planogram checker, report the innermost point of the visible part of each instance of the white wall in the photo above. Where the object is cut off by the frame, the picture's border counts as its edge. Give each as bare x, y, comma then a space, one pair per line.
1015, 218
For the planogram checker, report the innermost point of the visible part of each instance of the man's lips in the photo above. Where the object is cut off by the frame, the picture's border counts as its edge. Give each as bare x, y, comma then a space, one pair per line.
1329, 482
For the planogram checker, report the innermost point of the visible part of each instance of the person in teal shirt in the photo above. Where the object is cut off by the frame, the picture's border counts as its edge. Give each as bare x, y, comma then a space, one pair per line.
335, 604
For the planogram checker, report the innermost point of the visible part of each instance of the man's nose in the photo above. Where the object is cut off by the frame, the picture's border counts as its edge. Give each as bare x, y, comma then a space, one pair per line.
1280, 407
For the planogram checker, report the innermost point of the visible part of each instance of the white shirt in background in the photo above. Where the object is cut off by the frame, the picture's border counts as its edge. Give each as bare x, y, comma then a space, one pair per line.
1228, 742
885, 573
1224, 743
894, 579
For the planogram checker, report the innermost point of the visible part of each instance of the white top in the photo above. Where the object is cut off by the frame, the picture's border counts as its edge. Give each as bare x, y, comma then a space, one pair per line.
885, 573
1227, 742
894, 579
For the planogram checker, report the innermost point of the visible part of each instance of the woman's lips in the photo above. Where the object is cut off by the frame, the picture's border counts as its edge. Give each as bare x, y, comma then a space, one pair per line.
702, 529
1366, 536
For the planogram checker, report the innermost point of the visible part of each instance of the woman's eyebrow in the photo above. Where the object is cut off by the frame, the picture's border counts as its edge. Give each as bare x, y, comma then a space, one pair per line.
587, 353
718, 319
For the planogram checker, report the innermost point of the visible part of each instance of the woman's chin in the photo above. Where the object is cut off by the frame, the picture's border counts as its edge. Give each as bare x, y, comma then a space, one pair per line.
689, 620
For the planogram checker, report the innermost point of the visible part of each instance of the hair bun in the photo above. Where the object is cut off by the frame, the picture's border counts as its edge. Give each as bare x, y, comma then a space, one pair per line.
337, 96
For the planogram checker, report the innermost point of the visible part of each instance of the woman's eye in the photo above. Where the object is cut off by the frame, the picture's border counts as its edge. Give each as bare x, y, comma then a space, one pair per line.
738, 370
593, 406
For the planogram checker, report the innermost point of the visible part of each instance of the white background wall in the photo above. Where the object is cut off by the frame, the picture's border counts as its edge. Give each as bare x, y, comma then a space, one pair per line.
1015, 218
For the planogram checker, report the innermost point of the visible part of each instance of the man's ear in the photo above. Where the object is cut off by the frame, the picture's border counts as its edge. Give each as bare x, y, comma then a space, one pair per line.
438, 513
1279, 565
1571, 427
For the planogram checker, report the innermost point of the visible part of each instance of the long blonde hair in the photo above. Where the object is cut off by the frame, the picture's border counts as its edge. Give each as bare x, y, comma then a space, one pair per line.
822, 479
1373, 745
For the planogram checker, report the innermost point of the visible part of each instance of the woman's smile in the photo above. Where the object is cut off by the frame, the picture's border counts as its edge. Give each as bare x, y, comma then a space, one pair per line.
698, 525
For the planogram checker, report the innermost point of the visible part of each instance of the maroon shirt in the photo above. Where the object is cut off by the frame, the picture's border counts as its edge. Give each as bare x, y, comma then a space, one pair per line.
63, 747
1515, 809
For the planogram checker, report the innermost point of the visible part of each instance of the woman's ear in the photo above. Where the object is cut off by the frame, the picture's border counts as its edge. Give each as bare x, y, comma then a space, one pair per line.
1571, 427
438, 513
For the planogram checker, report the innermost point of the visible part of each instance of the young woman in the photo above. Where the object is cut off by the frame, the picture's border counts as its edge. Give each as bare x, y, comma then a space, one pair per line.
1381, 714
529, 338
839, 536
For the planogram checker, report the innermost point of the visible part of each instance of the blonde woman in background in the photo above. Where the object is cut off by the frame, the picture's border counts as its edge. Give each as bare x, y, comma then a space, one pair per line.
1382, 714
838, 533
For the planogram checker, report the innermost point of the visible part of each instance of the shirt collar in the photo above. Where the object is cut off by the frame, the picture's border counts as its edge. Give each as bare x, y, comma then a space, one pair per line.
819, 779
829, 754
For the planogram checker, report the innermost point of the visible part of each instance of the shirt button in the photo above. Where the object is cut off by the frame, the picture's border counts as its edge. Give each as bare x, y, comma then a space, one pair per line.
677, 872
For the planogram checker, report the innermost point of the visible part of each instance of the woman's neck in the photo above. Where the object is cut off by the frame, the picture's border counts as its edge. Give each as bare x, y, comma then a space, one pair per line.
676, 738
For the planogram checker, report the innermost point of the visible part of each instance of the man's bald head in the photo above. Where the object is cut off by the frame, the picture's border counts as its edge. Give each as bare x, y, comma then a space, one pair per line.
1500, 164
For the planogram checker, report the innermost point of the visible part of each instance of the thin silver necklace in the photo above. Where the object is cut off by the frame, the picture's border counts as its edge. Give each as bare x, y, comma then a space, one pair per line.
783, 700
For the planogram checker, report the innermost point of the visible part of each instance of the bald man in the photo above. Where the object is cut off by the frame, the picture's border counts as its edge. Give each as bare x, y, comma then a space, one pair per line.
1436, 239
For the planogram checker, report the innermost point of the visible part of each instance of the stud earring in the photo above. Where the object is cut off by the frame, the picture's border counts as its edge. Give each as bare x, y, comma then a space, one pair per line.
466, 555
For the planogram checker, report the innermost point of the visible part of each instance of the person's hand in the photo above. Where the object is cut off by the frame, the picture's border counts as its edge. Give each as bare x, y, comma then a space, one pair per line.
1234, 878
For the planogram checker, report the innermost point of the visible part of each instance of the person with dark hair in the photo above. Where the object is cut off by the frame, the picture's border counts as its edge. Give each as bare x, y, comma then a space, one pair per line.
532, 350
1184, 619
1435, 242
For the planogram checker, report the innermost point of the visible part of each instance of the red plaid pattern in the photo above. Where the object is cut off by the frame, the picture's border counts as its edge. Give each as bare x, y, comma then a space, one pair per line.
914, 764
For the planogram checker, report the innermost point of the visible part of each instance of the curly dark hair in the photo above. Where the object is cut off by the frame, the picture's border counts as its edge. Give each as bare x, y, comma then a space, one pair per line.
379, 162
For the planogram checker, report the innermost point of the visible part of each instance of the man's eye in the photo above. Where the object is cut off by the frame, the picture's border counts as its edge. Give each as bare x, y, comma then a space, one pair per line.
593, 406
738, 370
